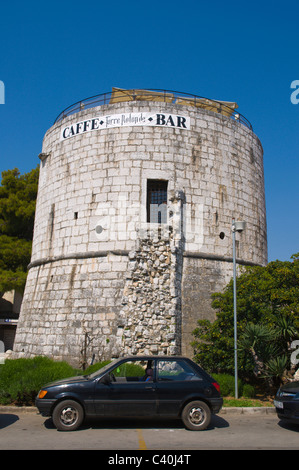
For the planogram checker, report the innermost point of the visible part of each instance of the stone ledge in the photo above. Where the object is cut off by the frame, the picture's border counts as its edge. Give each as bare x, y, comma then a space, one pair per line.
104, 253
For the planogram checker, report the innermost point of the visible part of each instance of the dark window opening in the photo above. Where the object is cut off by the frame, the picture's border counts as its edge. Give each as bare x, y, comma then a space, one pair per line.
156, 201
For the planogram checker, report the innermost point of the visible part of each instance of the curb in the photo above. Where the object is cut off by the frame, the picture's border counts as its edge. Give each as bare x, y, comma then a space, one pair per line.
248, 410
224, 411
18, 409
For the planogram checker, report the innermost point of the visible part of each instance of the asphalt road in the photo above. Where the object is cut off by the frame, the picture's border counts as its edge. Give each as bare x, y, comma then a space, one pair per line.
21, 430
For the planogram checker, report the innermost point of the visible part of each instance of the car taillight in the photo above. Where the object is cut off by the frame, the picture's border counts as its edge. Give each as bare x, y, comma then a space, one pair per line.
217, 386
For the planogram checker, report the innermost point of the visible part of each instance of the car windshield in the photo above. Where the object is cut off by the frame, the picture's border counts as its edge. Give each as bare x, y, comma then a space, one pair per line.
103, 369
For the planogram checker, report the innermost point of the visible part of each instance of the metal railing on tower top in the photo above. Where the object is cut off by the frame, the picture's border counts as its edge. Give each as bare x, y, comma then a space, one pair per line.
118, 95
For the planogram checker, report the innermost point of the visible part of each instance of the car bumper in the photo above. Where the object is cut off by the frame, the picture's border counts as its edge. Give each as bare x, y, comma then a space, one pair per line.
44, 406
216, 404
287, 410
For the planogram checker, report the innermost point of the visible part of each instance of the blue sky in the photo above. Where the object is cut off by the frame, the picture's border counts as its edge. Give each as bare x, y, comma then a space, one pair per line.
53, 54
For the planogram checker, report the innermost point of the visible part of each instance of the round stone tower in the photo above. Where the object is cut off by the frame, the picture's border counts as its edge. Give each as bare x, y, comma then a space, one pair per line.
137, 194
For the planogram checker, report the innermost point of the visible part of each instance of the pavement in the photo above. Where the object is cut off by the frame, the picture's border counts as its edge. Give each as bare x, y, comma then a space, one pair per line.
238, 428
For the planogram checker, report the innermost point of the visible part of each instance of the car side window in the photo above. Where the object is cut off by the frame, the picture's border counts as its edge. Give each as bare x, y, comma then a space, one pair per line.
132, 371
177, 370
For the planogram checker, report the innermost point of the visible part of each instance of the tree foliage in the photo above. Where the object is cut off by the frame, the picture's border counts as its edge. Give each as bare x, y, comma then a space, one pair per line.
17, 209
267, 322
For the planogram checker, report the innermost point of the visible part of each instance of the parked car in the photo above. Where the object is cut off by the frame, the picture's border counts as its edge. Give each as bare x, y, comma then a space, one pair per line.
140, 386
287, 402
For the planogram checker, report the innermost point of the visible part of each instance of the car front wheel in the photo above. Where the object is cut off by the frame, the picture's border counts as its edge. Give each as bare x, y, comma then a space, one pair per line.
68, 415
196, 416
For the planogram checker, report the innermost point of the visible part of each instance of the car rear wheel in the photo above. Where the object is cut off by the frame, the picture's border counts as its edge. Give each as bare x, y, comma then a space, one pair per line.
68, 415
196, 416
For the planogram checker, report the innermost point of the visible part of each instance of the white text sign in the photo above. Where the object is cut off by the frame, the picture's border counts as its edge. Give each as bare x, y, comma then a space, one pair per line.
123, 120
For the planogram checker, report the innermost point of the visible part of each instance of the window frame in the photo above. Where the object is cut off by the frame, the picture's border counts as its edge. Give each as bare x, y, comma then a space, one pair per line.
161, 186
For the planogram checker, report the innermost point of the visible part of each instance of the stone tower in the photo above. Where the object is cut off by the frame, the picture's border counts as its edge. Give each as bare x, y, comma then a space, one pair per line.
136, 198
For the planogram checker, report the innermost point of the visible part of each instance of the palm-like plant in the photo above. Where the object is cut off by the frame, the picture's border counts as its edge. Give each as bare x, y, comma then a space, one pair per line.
269, 346
275, 368
257, 339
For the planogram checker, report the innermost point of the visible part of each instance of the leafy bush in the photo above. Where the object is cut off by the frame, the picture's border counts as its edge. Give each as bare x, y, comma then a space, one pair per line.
248, 391
227, 386
268, 321
129, 370
21, 379
95, 367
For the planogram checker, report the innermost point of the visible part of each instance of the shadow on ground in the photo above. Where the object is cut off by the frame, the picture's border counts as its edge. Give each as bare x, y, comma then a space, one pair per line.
133, 423
7, 419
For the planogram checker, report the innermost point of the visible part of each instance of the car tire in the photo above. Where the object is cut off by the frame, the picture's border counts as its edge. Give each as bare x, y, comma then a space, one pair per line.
68, 415
196, 416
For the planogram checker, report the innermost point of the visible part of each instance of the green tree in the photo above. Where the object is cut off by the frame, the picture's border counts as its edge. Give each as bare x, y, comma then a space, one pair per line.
267, 321
17, 203
17, 209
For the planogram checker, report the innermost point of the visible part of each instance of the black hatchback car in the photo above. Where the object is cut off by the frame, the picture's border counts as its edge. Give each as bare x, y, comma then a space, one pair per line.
140, 386
287, 402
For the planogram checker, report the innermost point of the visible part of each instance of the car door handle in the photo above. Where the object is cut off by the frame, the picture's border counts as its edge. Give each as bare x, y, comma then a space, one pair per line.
150, 388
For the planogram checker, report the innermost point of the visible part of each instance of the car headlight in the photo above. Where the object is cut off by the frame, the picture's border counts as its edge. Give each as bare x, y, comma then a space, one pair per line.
42, 393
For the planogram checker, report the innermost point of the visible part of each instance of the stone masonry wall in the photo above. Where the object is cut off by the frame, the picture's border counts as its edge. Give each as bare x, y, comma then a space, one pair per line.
70, 310
152, 295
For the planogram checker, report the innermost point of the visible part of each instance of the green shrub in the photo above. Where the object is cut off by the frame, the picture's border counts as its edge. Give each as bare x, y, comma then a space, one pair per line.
129, 370
248, 391
124, 370
95, 367
227, 386
21, 379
